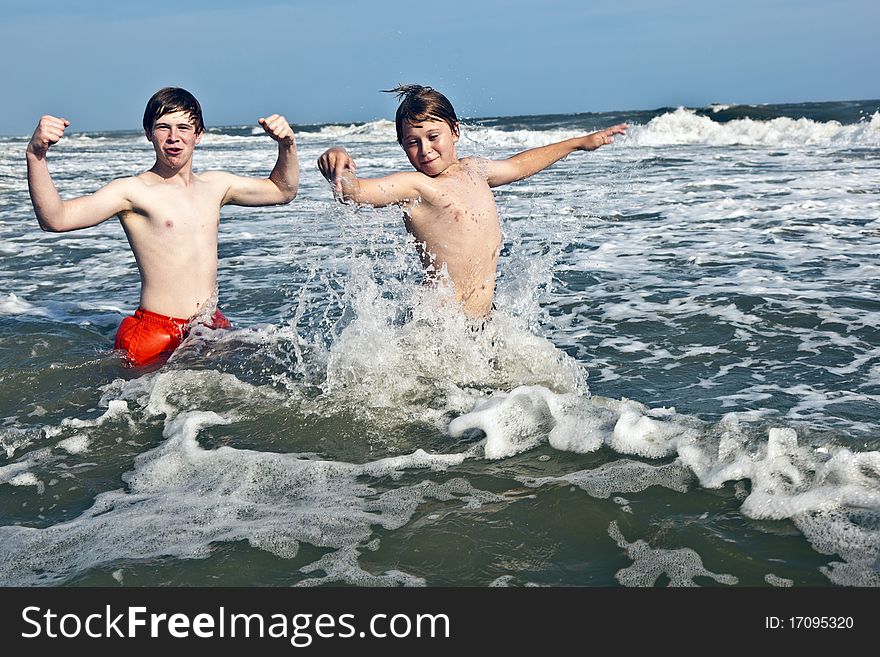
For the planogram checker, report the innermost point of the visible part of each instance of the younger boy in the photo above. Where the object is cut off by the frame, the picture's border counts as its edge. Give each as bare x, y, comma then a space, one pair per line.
170, 216
447, 202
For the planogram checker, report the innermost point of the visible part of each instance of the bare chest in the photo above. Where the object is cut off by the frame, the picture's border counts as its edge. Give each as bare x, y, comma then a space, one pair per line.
459, 206
175, 212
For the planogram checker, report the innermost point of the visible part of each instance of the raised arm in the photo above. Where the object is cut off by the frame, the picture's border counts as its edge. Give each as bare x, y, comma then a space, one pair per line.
528, 163
339, 168
57, 215
282, 184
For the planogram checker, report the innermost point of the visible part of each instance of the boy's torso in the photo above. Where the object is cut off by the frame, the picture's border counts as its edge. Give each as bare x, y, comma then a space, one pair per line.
456, 224
172, 230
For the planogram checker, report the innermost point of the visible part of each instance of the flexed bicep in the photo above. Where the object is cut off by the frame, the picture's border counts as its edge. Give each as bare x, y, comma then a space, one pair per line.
252, 192
55, 214
281, 185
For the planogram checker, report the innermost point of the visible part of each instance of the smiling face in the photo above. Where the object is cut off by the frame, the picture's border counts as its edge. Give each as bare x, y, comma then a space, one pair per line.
174, 137
430, 145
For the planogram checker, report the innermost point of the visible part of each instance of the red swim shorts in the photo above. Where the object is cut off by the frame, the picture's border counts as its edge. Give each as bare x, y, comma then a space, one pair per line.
148, 335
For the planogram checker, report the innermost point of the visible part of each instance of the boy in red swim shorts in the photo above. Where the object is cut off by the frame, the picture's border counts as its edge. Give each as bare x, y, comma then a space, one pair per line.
170, 216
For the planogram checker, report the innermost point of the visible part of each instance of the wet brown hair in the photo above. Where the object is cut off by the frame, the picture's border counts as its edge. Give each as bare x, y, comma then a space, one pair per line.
173, 99
421, 104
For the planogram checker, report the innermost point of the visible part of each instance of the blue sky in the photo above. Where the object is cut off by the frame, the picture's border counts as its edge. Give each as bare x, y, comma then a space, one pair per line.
317, 61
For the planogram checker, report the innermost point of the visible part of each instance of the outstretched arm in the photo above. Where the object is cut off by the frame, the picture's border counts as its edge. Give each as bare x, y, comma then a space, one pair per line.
57, 215
339, 169
528, 163
282, 184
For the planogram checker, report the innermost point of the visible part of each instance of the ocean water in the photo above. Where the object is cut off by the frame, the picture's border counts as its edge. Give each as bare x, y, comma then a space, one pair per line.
680, 385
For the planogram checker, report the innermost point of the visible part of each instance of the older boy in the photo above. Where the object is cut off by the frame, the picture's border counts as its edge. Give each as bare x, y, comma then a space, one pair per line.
170, 216
447, 202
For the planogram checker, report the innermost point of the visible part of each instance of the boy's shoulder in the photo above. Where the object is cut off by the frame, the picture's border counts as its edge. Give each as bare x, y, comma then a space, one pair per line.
414, 179
474, 163
215, 175
123, 183
473, 160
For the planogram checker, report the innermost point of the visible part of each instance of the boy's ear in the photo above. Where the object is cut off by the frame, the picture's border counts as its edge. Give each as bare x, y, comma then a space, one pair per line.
456, 133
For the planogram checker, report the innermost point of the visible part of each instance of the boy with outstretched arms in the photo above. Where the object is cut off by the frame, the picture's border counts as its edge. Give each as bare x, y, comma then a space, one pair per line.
447, 202
170, 216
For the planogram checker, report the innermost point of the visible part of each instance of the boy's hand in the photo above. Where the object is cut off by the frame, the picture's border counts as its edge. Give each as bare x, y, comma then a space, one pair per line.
278, 128
334, 163
49, 131
596, 139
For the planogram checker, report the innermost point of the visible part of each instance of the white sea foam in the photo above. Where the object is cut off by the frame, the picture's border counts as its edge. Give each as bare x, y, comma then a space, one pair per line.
181, 498
779, 582
25, 479
679, 566
830, 492
12, 304
529, 415
622, 476
82, 313
74, 444
13, 438
16, 472
116, 409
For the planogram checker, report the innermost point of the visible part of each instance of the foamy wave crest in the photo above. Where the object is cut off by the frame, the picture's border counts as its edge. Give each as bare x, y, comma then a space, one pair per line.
213, 139
494, 138
371, 132
60, 311
86, 137
684, 126
89, 142
12, 304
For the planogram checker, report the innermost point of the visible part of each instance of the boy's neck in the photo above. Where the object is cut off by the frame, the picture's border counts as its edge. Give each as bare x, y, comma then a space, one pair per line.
184, 175
451, 167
